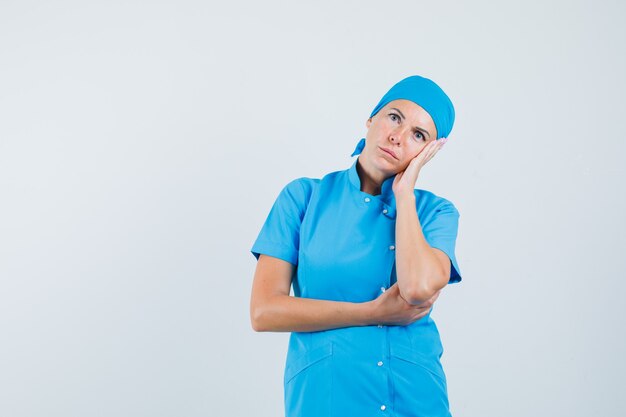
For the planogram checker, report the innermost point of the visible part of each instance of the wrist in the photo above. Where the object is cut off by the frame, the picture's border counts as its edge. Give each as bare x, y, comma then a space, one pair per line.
405, 198
368, 313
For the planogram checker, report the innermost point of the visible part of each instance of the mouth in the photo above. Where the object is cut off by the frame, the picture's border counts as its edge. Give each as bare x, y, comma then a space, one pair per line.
388, 151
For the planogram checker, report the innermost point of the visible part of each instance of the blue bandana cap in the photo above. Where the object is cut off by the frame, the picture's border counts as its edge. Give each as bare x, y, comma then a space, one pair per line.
359, 147
426, 94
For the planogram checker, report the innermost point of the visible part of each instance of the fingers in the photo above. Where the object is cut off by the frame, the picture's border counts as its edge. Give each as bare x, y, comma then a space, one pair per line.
434, 147
429, 151
407, 313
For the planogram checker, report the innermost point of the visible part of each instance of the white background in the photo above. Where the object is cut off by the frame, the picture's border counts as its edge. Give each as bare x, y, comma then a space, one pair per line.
142, 144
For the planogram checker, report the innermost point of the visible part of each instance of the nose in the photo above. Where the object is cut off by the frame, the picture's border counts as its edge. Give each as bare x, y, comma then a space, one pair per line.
396, 136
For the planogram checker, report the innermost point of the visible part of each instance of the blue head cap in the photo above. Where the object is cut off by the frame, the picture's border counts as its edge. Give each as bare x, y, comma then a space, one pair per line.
424, 93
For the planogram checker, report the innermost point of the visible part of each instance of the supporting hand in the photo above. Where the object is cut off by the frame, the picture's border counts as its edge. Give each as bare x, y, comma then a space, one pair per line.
404, 182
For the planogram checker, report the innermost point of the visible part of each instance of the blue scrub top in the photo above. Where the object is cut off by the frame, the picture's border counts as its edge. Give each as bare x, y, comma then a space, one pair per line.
342, 241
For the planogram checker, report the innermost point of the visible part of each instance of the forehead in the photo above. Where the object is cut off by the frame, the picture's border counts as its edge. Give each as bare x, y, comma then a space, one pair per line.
410, 109
414, 113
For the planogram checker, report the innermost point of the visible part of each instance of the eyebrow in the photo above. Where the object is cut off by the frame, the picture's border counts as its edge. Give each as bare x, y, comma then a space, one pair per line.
416, 127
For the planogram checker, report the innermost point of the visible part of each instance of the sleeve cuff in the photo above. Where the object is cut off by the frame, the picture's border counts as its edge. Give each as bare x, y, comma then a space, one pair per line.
276, 250
455, 273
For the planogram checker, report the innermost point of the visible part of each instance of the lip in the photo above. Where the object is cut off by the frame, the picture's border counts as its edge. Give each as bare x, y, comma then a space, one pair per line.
389, 151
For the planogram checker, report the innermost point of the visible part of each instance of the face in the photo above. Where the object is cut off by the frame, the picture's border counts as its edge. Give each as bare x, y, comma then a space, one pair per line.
401, 127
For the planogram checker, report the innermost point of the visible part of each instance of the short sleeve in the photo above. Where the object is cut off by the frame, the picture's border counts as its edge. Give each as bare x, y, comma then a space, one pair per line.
280, 235
441, 231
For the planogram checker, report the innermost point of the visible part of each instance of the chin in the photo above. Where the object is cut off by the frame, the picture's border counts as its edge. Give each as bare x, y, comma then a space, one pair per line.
383, 164
387, 167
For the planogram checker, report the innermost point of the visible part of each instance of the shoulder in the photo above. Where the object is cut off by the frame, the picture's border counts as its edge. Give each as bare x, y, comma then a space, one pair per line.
428, 202
334, 176
297, 193
305, 186
301, 187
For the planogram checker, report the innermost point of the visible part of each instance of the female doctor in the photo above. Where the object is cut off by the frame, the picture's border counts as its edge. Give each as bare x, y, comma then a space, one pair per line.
367, 255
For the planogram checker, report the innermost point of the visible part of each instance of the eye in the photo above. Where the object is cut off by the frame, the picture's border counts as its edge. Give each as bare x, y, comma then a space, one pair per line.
419, 135
392, 115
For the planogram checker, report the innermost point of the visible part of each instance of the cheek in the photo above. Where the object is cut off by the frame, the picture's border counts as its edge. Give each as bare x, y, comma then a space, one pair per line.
415, 150
421, 146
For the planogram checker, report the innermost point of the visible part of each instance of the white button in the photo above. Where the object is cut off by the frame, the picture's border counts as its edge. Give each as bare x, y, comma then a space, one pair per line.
367, 199
392, 247
385, 211
380, 326
382, 407
380, 363
382, 289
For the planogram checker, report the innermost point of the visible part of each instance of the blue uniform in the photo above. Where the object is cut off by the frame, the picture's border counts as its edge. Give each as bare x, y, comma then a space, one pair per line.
342, 241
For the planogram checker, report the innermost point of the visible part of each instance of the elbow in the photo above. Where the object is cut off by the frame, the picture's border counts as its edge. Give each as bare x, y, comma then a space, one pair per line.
264, 314
414, 297
257, 319
417, 295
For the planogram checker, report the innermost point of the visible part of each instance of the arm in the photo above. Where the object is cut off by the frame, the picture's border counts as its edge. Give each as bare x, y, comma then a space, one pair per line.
273, 309
421, 269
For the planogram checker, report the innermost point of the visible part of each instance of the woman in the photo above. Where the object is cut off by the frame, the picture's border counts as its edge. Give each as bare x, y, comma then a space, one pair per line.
367, 255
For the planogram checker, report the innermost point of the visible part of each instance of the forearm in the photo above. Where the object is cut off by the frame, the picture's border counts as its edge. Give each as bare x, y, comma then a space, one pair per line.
284, 313
416, 264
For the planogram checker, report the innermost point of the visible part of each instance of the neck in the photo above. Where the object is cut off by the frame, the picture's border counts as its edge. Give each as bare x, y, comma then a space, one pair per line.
371, 180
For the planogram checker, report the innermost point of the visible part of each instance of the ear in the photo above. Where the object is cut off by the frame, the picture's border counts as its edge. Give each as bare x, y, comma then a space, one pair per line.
368, 123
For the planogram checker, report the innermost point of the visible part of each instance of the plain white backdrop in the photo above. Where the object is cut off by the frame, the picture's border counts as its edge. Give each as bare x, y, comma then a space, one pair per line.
142, 145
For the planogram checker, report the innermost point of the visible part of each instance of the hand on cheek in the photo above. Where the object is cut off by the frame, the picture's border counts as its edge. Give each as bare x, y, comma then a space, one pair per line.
404, 182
